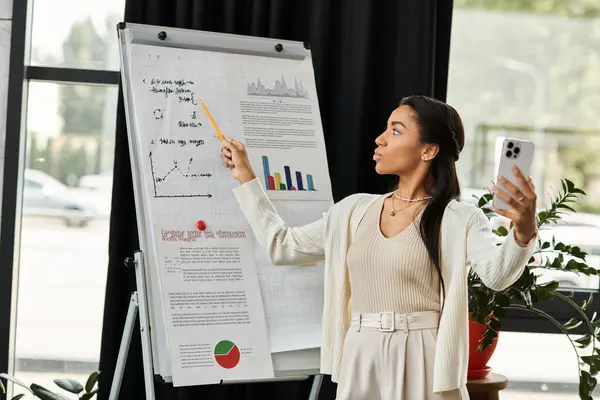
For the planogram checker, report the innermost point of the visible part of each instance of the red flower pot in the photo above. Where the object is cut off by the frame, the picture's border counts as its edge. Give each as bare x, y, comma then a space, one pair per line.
478, 368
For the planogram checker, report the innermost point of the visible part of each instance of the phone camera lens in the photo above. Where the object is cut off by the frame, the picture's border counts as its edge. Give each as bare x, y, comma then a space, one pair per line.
510, 145
509, 153
517, 150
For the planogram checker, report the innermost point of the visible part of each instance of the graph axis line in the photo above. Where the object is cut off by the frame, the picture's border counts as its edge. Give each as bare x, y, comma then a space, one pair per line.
153, 177
157, 196
169, 196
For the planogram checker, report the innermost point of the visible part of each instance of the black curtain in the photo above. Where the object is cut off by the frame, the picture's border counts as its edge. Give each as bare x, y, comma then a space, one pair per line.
367, 55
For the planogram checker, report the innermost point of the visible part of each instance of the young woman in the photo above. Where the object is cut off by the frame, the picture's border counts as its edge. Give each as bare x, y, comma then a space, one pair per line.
395, 319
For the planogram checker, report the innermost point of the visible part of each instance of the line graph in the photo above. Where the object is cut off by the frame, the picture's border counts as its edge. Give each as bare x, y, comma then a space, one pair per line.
174, 178
280, 89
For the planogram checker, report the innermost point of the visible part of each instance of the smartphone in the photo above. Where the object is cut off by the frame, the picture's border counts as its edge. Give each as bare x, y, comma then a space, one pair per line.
511, 151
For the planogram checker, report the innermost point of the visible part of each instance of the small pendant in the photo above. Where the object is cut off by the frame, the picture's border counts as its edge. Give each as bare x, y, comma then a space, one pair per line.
393, 212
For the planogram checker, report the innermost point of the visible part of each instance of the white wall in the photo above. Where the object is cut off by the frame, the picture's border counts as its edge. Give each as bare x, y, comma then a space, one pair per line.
5, 28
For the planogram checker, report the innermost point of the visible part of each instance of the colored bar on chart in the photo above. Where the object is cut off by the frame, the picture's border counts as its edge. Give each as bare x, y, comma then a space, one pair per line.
274, 180
266, 170
299, 179
288, 176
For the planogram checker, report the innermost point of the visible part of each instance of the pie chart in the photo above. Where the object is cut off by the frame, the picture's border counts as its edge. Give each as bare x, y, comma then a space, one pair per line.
227, 354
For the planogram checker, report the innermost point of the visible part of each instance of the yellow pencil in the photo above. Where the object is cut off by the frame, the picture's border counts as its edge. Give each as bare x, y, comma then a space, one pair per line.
212, 121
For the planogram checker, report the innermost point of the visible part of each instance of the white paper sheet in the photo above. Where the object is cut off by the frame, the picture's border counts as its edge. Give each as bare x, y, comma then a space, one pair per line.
282, 129
183, 180
293, 295
215, 319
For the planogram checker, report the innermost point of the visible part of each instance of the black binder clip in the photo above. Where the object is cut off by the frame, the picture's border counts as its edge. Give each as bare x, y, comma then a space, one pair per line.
162, 35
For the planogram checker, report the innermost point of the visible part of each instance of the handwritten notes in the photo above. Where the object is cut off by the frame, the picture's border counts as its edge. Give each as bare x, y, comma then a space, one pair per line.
212, 299
179, 142
177, 87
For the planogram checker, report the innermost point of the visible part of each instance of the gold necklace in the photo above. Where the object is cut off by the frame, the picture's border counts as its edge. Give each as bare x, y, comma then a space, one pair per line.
393, 212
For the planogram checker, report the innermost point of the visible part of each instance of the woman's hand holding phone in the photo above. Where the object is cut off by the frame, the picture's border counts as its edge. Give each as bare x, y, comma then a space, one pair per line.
522, 200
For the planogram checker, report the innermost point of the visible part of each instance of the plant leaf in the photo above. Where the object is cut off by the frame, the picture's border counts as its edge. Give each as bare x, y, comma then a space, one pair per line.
587, 383
584, 341
483, 200
499, 312
19, 396
70, 385
89, 395
502, 300
587, 303
43, 393
91, 381
572, 324
14, 380
550, 286
495, 325
501, 231
563, 205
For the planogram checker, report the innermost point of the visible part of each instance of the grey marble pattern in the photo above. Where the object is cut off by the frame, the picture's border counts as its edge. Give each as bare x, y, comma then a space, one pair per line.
6, 8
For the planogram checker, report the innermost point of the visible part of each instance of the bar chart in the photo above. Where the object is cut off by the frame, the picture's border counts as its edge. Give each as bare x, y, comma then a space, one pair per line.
276, 181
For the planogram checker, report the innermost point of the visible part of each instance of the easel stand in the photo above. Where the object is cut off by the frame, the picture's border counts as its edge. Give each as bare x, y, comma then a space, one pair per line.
138, 303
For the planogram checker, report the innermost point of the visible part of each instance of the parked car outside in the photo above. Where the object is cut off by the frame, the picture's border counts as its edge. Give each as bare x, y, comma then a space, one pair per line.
101, 182
45, 196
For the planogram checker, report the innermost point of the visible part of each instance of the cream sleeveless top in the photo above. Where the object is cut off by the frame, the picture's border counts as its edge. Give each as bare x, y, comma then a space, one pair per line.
390, 274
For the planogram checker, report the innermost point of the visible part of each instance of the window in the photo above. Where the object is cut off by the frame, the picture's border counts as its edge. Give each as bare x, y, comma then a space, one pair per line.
82, 35
64, 233
62, 245
529, 69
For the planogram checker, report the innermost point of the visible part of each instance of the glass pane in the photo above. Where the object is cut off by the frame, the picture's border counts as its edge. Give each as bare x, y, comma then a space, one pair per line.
554, 378
530, 70
82, 35
64, 236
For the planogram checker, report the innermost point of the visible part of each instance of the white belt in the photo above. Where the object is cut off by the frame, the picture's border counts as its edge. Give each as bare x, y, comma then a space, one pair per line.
391, 321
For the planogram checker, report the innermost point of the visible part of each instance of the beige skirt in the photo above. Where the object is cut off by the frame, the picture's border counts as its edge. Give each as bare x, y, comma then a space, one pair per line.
390, 357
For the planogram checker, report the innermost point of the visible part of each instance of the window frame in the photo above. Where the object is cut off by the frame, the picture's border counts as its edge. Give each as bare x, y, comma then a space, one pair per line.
20, 74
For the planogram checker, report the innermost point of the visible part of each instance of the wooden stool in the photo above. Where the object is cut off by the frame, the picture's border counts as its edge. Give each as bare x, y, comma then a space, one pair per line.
487, 388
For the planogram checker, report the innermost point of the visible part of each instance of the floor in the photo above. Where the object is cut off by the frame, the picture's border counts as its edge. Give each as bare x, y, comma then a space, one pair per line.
46, 380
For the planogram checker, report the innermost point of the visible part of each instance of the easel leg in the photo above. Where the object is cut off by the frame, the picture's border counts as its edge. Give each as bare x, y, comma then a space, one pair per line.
137, 305
144, 324
316, 387
115, 388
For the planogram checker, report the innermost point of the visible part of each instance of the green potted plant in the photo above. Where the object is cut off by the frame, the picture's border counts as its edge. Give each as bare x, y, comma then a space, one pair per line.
79, 391
487, 308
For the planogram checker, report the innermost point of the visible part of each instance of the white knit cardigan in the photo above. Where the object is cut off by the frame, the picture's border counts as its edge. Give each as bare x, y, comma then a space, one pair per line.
467, 241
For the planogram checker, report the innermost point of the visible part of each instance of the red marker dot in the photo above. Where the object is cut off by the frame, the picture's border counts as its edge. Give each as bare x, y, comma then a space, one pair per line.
201, 225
